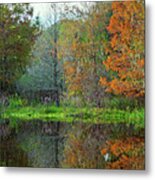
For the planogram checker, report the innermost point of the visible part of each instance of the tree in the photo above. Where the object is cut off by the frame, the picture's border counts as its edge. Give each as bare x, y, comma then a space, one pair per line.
17, 36
39, 76
84, 40
54, 18
125, 60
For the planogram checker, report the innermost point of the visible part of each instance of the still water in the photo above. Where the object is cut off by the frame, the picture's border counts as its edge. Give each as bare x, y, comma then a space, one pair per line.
52, 144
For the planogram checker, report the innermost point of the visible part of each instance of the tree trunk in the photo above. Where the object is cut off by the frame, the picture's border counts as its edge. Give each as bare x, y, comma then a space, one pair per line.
55, 57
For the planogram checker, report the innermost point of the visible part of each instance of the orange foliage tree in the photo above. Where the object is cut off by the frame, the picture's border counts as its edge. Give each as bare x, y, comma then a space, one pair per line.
125, 60
82, 46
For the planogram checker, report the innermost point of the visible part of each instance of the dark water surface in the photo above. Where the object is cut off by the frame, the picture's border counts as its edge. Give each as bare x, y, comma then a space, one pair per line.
42, 144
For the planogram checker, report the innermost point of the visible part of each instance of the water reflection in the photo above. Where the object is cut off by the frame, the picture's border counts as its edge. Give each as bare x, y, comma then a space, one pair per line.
55, 144
11, 155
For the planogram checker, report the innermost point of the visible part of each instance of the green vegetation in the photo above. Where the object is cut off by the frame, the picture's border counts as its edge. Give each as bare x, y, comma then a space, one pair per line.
19, 110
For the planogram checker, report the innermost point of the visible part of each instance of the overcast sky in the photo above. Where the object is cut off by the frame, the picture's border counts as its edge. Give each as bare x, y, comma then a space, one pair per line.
43, 10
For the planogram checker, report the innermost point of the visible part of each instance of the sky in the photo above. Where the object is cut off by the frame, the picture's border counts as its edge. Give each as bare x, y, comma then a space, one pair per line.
44, 12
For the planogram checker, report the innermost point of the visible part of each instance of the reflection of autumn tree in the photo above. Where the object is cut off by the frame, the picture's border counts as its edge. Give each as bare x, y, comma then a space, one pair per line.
82, 148
125, 153
126, 50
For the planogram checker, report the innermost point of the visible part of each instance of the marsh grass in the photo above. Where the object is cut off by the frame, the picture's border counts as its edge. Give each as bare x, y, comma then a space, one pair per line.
19, 110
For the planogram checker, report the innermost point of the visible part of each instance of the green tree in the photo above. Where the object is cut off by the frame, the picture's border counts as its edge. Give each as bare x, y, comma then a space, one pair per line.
39, 76
18, 33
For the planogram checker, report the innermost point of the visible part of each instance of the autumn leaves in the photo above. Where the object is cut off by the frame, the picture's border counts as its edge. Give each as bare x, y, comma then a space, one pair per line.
126, 50
107, 50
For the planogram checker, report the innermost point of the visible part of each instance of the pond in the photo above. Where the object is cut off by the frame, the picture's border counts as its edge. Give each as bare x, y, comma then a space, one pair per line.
68, 145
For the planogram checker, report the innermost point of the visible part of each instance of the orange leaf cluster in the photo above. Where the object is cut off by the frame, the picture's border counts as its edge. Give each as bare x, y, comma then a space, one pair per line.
126, 50
127, 153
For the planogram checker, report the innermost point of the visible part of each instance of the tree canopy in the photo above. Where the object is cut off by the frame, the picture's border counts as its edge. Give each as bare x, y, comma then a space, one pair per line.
17, 36
125, 58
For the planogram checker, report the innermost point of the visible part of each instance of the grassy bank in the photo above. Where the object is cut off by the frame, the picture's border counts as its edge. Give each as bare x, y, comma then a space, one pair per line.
18, 110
